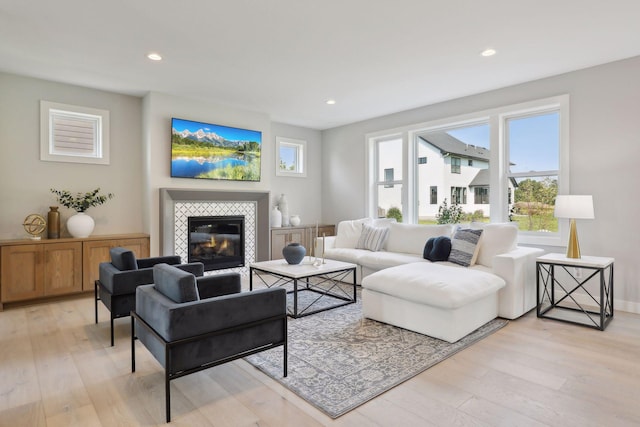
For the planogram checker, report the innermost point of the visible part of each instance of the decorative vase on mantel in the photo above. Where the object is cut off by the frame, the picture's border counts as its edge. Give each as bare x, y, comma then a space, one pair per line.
80, 225
294, 253
276, 217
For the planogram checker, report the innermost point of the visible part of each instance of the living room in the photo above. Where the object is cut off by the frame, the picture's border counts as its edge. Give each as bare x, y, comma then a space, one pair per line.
604, 104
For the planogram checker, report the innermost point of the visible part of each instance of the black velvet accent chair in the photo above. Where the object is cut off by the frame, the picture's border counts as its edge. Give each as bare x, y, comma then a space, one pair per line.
116, 287
190, 324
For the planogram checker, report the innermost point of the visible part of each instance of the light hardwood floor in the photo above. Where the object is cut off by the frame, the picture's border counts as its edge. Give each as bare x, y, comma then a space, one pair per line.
57, 369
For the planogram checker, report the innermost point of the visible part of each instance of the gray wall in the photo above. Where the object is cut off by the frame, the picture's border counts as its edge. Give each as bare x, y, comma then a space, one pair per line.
605, 147
25, 180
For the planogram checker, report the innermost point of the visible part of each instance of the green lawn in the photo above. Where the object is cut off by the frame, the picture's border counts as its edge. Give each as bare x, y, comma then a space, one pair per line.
542, 222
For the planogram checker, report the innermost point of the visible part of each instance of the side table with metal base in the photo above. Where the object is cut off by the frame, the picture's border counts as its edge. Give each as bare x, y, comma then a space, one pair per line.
563, 292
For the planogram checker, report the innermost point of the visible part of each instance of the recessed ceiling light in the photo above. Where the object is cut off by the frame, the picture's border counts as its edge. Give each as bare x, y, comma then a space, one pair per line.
330, 101
154, 56
488, 52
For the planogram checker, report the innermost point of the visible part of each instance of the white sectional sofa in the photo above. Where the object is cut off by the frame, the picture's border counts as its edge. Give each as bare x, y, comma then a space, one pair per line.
440, 299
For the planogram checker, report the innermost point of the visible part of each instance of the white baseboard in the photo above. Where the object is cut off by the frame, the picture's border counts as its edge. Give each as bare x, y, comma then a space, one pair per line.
618, 304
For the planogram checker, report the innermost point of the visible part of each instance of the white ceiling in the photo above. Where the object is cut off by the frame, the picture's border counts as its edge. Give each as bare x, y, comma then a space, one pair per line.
287, 57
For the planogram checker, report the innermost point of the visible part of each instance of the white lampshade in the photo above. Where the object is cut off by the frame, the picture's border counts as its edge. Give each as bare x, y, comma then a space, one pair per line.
575, 207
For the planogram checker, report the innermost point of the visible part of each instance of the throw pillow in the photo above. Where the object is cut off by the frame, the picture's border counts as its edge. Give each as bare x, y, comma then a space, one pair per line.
437, 249
123, 259
348, 232
372, 238
464, 246
177, 285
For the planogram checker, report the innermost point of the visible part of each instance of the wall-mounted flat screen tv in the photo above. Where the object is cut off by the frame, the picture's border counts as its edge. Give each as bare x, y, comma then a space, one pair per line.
208, 151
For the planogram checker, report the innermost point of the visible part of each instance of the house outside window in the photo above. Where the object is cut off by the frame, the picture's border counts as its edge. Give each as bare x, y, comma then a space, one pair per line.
481, 195
434, 195
458, 195
388, 177
455, 165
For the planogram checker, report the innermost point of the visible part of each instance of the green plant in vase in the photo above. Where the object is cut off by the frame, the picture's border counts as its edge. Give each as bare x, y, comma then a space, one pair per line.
81, 225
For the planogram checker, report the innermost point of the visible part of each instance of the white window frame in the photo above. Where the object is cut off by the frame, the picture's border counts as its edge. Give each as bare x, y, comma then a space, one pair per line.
50, 148
499, 160
300, 148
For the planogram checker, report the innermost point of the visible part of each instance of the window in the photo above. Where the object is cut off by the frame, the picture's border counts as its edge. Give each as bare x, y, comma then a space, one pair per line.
70, 133
455, 165
291, 158
389, 169
422, 160
434, 195
481, 195
519, 156
533, 144
458, 196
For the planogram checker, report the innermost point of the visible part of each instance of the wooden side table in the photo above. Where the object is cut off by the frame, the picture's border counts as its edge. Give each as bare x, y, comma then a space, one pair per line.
558, 279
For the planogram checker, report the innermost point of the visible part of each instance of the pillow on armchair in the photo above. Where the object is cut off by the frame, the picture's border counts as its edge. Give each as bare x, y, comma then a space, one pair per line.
123, 259
348, 232
177, 285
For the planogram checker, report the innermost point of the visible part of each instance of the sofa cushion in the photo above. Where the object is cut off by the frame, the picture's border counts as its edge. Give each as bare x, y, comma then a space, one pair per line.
372, 238
382, 259
497, 239
383, 222
411, 238
464, 246
123, 259
345, 254
437, 249
348, 232
432, 284
178, 285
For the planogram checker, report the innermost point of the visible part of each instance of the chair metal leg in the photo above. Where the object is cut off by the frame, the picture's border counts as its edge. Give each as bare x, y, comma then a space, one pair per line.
111, 330
95, 291
133, 345
167, 386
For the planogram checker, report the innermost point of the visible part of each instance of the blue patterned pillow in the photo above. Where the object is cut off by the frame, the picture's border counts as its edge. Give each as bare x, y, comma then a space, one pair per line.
464, 246
372, 238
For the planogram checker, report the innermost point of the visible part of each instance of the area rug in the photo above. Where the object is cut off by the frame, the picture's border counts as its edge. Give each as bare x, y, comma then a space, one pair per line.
338, 360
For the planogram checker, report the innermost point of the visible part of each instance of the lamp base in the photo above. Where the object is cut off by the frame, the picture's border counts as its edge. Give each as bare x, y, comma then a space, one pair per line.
573, 247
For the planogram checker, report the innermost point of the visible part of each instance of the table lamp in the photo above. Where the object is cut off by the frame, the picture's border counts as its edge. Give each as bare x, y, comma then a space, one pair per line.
574, 207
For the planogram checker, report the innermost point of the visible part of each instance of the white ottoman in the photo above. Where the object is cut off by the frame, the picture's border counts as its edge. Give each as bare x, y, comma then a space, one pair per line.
436, 299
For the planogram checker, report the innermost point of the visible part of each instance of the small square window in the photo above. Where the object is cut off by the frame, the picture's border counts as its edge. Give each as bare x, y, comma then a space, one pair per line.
69, 133
291, 157
422, 160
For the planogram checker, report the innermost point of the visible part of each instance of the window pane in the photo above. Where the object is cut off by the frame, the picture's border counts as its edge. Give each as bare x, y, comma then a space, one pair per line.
390, 157
390, 201
457, 158
289, 158
534, 142
534, 203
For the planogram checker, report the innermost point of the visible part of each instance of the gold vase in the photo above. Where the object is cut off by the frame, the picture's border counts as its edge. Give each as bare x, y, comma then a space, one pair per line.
53, 223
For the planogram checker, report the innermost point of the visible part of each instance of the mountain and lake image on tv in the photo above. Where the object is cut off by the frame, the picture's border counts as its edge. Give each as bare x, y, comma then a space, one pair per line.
208, 151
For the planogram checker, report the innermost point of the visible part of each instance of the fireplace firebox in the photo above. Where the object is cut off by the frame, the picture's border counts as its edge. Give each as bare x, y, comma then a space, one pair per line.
216, 241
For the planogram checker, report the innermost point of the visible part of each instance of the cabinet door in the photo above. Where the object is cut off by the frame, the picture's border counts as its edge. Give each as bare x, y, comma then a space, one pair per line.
22, 273
97, 251
62, 268
281, 238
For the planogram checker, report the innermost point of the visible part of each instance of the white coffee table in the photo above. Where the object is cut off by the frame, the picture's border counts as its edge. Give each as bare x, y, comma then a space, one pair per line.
328, 281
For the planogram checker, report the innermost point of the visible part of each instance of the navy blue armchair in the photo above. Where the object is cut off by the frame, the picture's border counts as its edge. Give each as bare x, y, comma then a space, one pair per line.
190, 324
116, 287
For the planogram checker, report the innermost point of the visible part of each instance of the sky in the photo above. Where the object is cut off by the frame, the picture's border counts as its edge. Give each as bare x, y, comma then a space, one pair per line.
533, 141
232, 134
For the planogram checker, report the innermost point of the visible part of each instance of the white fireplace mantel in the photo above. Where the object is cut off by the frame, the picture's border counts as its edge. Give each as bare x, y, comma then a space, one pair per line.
170, 196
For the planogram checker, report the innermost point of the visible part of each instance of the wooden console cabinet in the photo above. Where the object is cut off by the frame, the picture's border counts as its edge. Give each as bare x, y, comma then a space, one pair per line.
34, 269
303, 234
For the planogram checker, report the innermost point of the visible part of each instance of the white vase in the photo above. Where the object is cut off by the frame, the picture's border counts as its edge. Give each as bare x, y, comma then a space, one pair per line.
276, 217
284, 210
80, 225
294, 220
